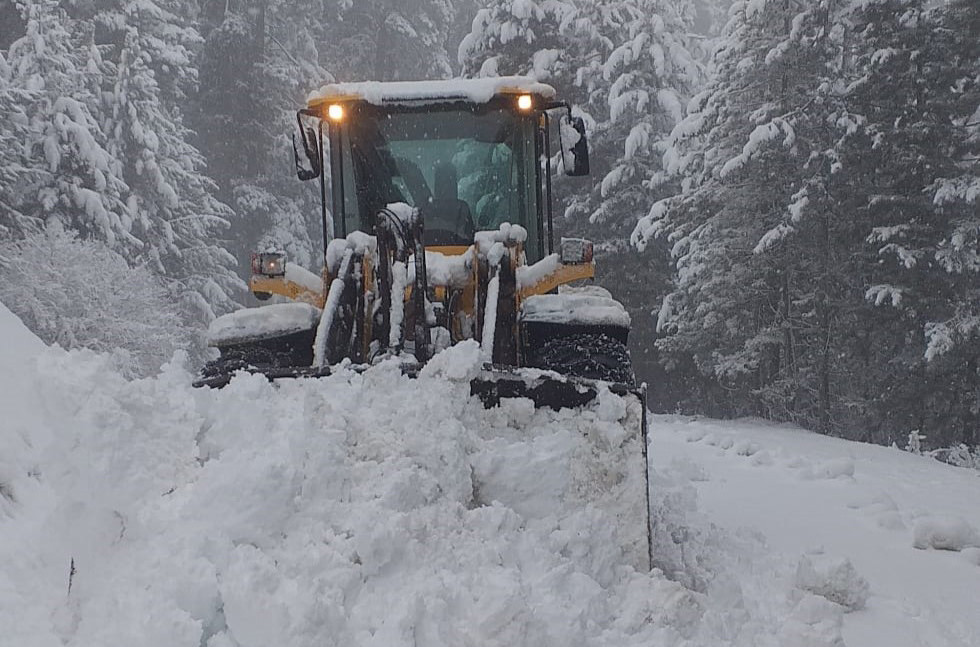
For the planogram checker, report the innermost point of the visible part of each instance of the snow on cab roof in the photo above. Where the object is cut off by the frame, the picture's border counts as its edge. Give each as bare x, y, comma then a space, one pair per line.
472, 90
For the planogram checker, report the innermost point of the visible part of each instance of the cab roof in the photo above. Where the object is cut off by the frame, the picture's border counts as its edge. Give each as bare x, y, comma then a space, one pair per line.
477, 91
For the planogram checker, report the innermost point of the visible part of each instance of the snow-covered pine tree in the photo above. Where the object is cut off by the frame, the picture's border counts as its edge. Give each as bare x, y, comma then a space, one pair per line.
637, 90
956, 192
519, 37
752, 302
173, 202
387, 40
15, 176
256, 67
289, 69
54, 73
908, 154
634, 72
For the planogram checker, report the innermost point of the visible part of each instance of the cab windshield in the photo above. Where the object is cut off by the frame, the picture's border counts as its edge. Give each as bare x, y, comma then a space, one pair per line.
465, 171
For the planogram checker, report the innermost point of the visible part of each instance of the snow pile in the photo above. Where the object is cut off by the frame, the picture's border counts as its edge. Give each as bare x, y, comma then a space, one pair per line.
833, 579
359, 509
507, 234
945, 533
367, 509
531, 275
20, 349
358, 242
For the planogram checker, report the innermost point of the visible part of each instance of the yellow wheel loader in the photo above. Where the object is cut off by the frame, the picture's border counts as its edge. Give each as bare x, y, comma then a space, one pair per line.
437, 228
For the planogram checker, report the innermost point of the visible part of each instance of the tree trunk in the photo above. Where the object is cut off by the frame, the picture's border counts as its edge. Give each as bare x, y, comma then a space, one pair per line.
381, 52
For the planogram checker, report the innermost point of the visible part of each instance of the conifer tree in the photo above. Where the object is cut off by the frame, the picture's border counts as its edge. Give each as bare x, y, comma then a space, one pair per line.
387, 40
15, 175
956, 192
255, 70
55, 71
176, 212
523, 37
912, 151
751, 304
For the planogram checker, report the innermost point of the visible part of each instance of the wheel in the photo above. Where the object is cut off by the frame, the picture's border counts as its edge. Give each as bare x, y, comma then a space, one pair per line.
593, 356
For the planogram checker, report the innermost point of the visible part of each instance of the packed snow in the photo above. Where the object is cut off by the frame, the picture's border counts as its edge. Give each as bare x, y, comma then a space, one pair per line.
371, 509
886, 537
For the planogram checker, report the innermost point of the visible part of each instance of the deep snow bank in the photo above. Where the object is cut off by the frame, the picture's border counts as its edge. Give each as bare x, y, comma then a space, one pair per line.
353, 510
360, 509
19, 417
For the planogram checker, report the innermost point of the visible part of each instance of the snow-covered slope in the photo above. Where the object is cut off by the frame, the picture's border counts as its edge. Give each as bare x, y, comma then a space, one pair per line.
361, 509
374, 510
908, 525
19, 415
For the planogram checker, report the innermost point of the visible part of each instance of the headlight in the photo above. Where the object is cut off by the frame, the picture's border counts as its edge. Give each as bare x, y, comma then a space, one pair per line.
576, 251
269, 264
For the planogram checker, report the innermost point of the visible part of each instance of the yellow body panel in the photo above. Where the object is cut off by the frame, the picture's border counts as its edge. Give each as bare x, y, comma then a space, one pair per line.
289, 289
564, 274
463, 308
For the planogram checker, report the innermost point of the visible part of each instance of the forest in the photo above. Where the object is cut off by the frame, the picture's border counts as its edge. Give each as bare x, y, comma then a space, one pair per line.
785, 193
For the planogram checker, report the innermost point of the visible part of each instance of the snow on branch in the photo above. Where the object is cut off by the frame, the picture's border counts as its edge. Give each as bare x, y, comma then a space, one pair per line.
758, 139
650, 225
772, 237
944, 337
882, 294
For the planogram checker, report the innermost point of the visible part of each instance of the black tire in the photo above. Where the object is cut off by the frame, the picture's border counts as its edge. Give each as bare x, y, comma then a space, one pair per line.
593, 356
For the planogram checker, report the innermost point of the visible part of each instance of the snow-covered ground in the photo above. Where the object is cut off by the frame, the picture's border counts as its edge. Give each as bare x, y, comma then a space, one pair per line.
833, 514
374, 510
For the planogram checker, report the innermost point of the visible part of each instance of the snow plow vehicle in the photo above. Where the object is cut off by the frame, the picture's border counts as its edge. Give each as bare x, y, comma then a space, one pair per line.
437, 230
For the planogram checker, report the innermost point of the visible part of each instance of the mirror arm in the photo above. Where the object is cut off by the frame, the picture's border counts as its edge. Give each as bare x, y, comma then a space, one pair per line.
323, 189
547, 180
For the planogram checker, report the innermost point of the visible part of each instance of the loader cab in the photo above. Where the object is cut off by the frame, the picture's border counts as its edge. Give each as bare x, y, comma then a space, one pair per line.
463, 152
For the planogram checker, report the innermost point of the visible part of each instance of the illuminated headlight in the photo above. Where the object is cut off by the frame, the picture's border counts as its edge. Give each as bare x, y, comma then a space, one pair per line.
525, 102
575, 251
269, 264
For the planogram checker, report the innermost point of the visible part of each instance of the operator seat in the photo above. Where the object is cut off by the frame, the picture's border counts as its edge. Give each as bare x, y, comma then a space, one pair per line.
448, 220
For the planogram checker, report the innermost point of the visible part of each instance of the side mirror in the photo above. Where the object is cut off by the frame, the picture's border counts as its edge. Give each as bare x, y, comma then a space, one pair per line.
306, 148
574, 146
